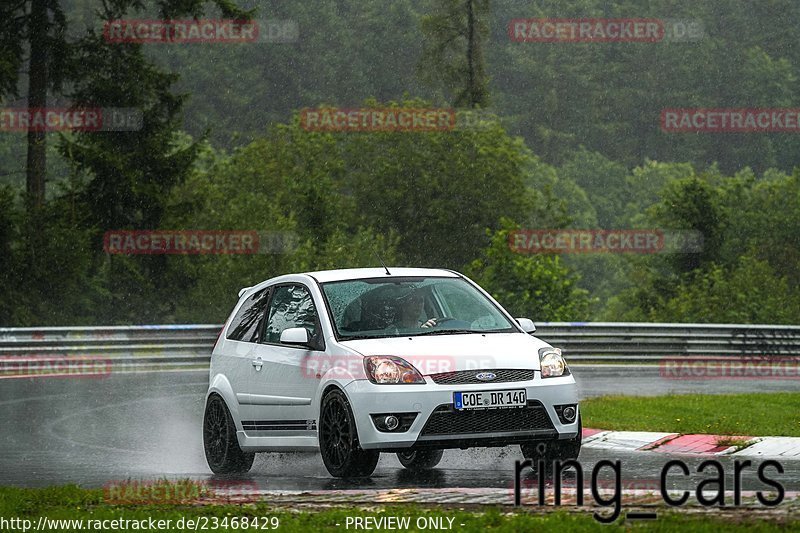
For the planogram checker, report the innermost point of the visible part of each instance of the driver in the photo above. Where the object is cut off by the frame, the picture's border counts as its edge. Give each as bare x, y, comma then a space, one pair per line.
409, 309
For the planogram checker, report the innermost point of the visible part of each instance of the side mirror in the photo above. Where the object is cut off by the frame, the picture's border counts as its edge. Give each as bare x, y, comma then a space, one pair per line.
526, 324
297, 336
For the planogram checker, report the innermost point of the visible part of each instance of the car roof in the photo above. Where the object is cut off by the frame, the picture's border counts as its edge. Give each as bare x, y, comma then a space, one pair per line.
324, 276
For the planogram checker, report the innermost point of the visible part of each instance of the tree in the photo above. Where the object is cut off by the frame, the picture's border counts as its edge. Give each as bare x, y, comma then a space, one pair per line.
746, 271
692, 204
453, 55
8, 267
763, 215
119, 179
604, 181
539, 287
748, 292
439, 191
40, 26
286, 182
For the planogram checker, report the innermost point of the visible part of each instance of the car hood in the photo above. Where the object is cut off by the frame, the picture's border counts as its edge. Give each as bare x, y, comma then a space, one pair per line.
448, 353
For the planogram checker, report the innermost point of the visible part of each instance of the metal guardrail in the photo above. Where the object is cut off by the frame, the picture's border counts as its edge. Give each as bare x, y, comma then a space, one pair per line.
621, 341
189, 346
135, 348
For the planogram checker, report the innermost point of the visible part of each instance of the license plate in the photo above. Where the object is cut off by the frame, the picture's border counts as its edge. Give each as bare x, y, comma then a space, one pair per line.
489, 399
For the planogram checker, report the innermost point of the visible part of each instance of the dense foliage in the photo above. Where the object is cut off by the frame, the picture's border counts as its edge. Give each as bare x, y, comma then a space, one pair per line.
574, 142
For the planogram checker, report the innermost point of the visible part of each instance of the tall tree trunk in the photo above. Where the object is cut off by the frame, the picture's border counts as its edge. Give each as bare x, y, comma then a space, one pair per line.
476, 92
37, 98
472, 90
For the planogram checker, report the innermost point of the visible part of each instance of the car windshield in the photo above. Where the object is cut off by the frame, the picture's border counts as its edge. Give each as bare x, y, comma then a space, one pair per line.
374, 308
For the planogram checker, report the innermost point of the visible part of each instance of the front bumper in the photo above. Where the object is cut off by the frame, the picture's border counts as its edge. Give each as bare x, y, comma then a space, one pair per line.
438, 425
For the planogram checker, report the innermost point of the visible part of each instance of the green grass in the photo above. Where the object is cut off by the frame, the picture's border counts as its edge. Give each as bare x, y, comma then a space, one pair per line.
756, 415
71, 502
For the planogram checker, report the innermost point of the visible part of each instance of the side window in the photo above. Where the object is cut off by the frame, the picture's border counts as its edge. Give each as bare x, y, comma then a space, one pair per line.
291, 307
245, 325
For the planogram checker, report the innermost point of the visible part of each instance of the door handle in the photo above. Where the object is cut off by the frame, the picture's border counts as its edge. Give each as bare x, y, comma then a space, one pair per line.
257, 363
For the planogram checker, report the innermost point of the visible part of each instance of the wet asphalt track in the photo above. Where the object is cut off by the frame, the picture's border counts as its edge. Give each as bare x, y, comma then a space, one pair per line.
93, 432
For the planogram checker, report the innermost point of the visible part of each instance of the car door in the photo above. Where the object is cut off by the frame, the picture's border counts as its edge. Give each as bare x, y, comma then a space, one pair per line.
282, 389
242, 339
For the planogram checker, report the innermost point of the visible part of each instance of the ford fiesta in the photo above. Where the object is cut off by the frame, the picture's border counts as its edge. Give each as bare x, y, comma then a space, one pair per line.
353, 363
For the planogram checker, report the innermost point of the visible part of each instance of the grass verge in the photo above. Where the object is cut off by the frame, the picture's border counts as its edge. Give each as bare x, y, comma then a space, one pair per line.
755, 415
73, 503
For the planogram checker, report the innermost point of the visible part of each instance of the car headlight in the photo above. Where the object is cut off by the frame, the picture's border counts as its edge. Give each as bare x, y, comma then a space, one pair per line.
552, 363
389, 370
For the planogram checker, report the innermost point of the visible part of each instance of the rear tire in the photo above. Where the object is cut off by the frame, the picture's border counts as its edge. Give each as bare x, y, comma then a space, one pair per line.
420, 459
338, 439
223, 454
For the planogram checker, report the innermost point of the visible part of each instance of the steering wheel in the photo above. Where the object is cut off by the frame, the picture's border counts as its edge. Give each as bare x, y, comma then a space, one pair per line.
438, 321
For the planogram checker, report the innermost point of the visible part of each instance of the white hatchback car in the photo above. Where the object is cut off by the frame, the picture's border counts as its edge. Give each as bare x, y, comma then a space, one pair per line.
352, 363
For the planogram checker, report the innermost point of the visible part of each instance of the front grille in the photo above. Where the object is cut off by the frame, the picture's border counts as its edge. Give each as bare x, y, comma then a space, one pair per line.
467, 377
445, 420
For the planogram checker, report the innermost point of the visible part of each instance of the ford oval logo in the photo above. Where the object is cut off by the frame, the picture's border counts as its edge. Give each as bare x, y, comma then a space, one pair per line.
485, 376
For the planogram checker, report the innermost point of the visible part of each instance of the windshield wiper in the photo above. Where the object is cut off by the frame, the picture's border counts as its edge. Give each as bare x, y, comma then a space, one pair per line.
358, 337
444, 332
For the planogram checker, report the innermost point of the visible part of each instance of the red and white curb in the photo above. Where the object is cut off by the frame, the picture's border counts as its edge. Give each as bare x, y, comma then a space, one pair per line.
675, 443
459, 496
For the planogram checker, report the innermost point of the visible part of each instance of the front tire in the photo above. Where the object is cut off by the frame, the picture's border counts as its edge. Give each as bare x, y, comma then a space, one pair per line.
554, 450
571, 449
420, 459
338, 440
223, 454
